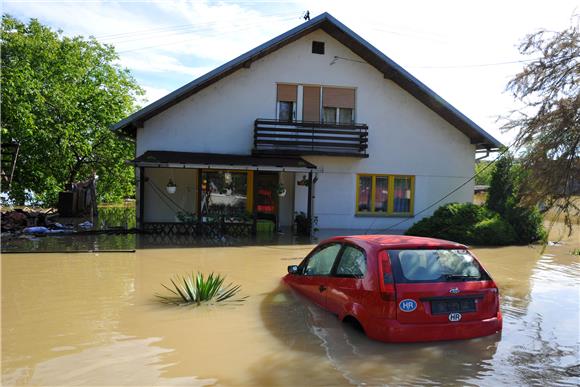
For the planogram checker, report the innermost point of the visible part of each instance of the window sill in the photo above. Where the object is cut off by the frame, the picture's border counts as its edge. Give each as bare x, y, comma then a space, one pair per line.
374, 215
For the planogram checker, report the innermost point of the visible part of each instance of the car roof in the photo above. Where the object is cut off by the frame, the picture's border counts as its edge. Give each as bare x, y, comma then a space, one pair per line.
396, 242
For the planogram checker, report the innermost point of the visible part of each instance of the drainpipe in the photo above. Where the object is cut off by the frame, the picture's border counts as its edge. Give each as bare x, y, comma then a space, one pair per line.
309, 208
487, 152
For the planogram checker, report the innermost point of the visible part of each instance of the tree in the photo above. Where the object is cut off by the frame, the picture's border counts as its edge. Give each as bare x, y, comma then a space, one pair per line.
549, 124
60, 95
501, 188
504, 198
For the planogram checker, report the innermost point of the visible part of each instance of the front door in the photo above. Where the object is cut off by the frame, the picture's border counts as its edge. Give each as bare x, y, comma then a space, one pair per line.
266, 197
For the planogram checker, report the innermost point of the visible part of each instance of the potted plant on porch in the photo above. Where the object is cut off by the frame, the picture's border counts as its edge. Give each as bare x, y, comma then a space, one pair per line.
171, 187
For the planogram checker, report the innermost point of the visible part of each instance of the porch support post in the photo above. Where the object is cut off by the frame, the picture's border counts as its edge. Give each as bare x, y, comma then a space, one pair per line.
141, 197
309, 208
199, 195
254, 212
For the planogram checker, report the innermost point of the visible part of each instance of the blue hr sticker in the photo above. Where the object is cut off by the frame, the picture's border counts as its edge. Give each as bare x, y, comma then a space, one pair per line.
407, 305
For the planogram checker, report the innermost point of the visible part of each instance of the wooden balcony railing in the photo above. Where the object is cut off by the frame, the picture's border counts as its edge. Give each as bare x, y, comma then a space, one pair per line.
310, 138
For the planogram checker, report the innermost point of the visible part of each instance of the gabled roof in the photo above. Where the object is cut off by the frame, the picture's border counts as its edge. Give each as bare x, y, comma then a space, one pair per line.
344, 35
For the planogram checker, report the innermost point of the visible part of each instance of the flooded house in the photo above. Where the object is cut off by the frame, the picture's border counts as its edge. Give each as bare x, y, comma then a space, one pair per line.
313, 124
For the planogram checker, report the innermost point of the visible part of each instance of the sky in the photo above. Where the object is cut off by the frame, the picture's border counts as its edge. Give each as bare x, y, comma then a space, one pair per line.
466, 51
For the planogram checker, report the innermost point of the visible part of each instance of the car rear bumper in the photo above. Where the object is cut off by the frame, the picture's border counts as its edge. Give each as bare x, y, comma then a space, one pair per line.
395, 332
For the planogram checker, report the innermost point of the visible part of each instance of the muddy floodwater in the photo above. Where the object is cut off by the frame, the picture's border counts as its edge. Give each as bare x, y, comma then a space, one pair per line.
91, 319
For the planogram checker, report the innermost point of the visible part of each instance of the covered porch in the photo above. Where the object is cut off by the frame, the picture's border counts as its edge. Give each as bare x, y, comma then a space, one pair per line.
202, 194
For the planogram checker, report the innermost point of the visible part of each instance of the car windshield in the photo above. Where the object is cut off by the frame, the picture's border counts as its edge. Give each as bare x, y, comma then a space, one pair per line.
435, 266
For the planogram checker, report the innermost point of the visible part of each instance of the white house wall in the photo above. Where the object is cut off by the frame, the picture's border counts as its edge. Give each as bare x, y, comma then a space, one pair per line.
163, 207
405, 137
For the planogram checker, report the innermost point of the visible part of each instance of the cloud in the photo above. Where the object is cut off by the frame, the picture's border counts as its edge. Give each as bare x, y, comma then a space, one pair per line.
171, 42
152, 94
160, 63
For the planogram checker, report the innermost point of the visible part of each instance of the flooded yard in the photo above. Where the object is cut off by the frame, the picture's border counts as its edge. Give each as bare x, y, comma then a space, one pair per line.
91, 319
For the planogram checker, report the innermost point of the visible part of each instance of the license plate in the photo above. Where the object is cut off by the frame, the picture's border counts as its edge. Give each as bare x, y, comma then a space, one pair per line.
453, 306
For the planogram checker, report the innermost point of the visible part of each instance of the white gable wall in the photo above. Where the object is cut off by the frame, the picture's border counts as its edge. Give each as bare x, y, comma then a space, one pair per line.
405, 137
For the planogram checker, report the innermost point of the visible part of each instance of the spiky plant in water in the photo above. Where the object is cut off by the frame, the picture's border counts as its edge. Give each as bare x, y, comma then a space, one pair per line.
195, 289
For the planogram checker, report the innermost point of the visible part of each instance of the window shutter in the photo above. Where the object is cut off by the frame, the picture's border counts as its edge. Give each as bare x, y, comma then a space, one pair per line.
287, 93
311, 106
338, 97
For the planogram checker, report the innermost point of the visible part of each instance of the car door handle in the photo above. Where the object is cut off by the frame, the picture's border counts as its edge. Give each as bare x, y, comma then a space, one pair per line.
322, 288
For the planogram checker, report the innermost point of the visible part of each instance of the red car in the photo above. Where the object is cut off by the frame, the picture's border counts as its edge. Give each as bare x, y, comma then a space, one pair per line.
401, 288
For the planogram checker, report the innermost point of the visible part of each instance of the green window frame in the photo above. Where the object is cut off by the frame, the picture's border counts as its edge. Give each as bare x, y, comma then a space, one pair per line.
384, 195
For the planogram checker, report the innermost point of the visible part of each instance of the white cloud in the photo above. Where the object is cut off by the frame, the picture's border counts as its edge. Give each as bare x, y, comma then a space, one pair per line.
160, 63
152, 94
192, 37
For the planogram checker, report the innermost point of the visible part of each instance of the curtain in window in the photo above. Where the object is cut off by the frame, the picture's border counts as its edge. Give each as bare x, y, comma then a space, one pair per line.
364, 193
402, 192
381, 193
330, 115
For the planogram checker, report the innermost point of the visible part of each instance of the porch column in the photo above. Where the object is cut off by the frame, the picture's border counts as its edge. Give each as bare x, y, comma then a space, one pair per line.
254, 197
199, 195
309, 202
141, 219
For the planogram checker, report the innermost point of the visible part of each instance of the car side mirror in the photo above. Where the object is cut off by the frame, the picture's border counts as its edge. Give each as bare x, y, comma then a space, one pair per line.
293, 269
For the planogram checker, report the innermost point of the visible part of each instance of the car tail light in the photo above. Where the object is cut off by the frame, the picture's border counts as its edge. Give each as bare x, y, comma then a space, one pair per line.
386, 282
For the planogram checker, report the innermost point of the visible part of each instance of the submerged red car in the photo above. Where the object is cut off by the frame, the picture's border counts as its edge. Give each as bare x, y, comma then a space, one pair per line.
401, 288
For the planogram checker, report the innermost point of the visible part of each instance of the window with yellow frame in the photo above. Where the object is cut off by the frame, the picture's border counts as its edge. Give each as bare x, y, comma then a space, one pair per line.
378, 194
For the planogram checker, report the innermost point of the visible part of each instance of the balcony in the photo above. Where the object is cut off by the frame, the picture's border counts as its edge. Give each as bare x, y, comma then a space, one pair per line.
310, 138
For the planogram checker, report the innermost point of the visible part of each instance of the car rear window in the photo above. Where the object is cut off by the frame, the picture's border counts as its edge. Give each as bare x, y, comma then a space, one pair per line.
435, 266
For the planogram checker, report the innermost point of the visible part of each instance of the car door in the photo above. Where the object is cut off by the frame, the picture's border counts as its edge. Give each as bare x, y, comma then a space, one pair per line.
346, 286
316, 268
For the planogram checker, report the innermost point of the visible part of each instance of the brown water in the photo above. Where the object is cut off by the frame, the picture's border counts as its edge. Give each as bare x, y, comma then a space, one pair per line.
90, 319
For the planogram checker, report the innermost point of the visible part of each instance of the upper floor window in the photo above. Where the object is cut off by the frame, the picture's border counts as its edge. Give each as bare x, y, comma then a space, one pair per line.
333, 105
286, 96
338, 105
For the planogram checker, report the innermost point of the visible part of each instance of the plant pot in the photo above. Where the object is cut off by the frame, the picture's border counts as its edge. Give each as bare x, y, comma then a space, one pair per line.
282, 193
171, 189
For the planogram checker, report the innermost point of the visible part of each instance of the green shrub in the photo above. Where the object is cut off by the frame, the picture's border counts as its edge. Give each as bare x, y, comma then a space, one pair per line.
453, 221
527, 223
493, 231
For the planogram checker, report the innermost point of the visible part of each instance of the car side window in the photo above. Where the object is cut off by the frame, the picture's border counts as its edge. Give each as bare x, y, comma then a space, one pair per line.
352, 263
321, 262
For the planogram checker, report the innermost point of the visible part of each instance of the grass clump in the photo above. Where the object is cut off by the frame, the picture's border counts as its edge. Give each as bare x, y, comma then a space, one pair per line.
195, 289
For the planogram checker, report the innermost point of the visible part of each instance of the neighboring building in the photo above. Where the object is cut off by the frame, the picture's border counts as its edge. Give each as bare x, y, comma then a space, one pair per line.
316, 104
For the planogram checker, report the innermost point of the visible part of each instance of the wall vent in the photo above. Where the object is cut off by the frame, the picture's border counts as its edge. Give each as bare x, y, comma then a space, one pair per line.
318, 48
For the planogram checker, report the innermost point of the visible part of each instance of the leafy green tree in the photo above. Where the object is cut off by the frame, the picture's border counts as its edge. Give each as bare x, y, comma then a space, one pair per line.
548, 124
60, 95
504, 197
501, 190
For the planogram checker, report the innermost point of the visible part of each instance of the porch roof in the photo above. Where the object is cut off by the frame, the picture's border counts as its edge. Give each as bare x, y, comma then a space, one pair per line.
170, 159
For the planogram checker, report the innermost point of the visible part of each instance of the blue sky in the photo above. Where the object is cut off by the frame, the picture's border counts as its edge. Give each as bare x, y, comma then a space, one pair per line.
458, 48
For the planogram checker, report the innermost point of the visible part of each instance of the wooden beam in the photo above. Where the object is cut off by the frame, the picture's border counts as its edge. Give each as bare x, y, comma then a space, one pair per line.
309, 208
